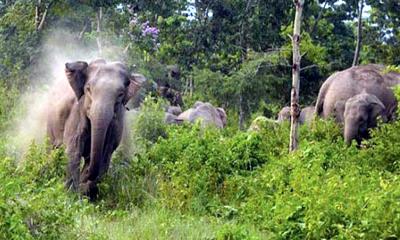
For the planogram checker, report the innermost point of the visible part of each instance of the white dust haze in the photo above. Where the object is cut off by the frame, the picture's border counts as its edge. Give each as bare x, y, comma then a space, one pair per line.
47, 82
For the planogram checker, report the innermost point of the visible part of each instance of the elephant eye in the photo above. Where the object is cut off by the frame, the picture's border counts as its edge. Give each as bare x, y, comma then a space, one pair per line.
121, 95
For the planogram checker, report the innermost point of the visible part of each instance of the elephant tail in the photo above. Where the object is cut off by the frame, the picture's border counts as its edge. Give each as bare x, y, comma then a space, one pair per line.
319, 106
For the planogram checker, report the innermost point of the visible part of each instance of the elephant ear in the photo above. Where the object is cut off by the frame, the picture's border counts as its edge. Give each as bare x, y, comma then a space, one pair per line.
76, 73
135, 83
222, 115
376, 108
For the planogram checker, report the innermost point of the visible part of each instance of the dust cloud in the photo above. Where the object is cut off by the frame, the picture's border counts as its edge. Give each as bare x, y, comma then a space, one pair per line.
47, 82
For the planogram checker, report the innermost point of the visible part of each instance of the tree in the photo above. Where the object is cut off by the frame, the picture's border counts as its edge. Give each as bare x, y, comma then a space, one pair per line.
295, 109
359, 34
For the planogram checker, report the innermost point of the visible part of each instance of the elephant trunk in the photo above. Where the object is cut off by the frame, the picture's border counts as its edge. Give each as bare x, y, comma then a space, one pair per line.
350, 132
101, 118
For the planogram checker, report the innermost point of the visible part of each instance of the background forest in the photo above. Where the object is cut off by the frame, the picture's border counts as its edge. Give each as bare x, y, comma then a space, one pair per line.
182, 182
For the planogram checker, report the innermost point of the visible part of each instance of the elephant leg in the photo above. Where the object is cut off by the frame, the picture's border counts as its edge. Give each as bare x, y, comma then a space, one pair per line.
74, 155
76, 140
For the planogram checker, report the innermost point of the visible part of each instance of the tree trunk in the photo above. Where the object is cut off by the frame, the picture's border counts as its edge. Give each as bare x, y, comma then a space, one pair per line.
85, 26
241, 112
359, 34
37, 13
41, 17
99, 17
243, 56
295, 110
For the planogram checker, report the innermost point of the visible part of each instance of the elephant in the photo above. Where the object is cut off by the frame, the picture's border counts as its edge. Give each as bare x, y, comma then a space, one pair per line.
307, 115
390, 77
171, 115
338, 89
360, 114
88, 118
175, 110
284, 115
341, 86
207, 113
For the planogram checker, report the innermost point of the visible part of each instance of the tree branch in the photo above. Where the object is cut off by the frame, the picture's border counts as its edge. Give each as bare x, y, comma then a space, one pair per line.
308, 67
317, 19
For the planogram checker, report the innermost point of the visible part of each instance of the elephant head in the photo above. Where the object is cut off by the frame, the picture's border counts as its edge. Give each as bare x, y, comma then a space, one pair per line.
360, 114
102, 89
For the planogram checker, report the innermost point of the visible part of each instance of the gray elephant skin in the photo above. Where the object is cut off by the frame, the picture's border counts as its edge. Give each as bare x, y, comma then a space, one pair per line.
88, 118
306, 115
208, 114
360, 114
342, 86
284, 114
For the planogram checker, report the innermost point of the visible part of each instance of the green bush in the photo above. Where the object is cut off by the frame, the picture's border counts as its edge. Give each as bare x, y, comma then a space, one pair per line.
33, 201
324, 190
149, 125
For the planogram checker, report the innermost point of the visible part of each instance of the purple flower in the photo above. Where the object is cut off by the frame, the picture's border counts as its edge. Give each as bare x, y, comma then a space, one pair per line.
151, 31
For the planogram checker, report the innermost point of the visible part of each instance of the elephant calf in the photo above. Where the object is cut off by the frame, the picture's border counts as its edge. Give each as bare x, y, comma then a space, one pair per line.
360, 114
88, 118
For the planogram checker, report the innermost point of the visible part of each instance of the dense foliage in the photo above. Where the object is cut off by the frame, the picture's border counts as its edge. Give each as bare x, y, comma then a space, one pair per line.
185, 182
245, 184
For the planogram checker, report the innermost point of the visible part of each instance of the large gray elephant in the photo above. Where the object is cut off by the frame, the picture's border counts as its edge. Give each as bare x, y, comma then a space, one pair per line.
360, 114
88, 118
208, 114
341, 86
390, 77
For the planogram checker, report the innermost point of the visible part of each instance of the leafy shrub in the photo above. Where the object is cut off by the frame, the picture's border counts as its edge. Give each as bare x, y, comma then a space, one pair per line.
33, 201
149, 125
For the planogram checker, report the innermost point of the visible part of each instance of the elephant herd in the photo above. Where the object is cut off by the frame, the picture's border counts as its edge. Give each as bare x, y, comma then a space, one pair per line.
355, 98
88, 115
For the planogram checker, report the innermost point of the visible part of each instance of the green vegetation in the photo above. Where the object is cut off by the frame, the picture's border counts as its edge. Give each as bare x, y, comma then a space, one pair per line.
184, 182
211, 184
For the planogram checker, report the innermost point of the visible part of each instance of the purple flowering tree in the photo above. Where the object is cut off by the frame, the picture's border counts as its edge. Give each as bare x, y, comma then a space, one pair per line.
144, 34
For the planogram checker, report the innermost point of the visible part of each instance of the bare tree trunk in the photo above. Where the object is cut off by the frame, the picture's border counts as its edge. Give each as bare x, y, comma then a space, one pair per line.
85, 26
99, 17
359, 34
41, 17
314, 28
40, 27
241, 112
191, 86
295, 109
37, 13
243, 56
